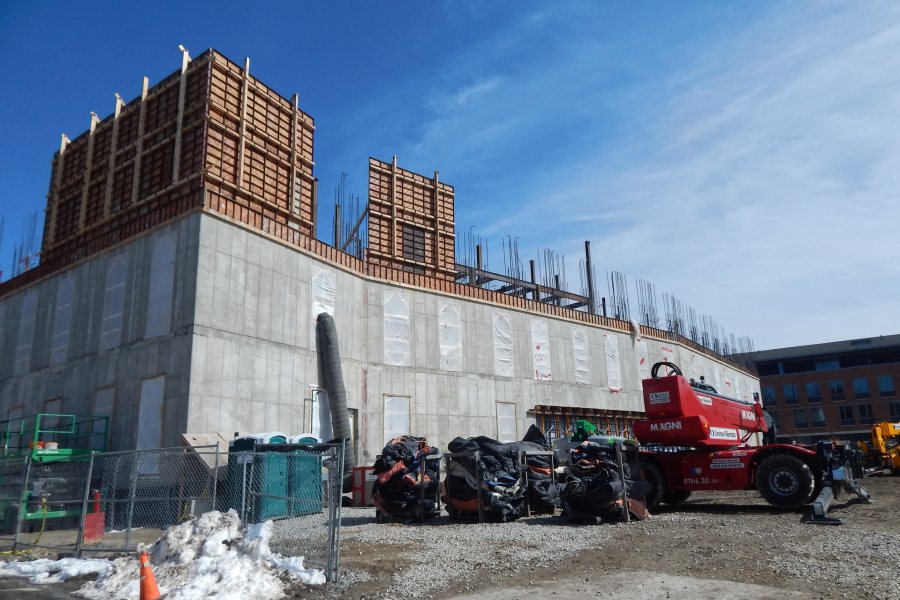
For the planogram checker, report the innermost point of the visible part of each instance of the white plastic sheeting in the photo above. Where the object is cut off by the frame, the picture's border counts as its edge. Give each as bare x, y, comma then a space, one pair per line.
162, 284
581, 349
62, 320
718, 378
642, 355
396, 328
25, 339
150, 418
396, 417
540, 350
114, 301
506, 422
321, 291
450, 335
503, 346
613, 364
321, 415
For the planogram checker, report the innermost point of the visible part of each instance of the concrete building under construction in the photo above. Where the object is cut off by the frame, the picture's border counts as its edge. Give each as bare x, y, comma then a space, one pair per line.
181, 276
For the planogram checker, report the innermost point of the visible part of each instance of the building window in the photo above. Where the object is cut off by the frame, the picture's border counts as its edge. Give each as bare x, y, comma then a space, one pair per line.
860, 387
886, 387
813, 392
895, 409
827, 364
837, 390
847, 415
790, 393
506, 422
818, 416
865, 414
768, 396
413, 243
800, 418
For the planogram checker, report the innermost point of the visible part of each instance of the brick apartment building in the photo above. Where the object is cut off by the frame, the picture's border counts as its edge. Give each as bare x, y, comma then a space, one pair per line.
836, 389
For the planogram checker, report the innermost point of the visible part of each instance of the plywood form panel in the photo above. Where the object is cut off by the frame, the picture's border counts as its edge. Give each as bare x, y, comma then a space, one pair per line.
400, 199
257, 172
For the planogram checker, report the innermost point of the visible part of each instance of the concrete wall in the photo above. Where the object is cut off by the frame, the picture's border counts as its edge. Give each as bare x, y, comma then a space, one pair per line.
85, 368
253, 365
240, 354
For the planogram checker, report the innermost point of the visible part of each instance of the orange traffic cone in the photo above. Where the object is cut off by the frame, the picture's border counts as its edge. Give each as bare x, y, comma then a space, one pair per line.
149, 589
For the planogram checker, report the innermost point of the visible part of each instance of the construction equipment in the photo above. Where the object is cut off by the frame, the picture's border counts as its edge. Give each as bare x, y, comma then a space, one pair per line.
884, 450
696, 439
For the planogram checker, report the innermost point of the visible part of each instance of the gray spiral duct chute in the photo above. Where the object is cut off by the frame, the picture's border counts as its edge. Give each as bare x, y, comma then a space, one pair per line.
333, 382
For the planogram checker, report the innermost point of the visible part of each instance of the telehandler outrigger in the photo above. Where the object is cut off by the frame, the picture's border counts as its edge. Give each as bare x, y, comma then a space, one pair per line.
696, 439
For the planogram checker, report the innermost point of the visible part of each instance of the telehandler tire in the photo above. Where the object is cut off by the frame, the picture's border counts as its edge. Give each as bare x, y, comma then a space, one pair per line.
785, 481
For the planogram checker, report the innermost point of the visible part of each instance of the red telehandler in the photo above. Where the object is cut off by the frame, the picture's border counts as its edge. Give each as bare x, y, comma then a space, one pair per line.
696, 439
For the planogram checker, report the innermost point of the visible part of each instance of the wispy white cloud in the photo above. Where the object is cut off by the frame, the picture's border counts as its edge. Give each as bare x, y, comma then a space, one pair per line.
753, 172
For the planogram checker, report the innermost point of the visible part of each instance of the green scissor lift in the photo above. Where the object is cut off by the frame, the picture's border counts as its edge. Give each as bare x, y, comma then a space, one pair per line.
27, 438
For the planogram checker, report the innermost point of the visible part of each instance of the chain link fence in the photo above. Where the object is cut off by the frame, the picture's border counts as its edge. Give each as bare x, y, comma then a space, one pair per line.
108, 503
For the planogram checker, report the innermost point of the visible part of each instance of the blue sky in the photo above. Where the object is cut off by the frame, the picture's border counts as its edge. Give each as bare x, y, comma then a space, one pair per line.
744, 157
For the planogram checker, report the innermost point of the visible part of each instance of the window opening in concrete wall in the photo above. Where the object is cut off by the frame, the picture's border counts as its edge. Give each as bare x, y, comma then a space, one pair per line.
506, 422
613, 366
540, 350
396, 416
162, 284
104, 400
396, 328
642, 356
62, 320
150, 419
503, 346
581, 350
322, 290
114, 301
450, 336
25, 339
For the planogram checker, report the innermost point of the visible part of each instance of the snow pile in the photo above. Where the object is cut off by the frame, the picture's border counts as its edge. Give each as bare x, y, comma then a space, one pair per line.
53, 571
212, 556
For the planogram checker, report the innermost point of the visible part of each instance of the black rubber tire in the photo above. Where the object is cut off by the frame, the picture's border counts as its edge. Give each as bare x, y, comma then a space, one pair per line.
658, 489
676, 497
785, 481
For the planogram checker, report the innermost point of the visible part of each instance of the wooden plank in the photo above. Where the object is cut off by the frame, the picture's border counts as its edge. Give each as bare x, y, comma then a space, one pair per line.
293, 181
179, 119
111, 166
242, 135
82, 214
54, 201
139, 142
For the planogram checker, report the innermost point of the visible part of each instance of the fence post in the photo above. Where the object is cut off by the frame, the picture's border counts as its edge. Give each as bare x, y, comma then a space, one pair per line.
22, 504
84, 503
334, 514
134, 469
215, 481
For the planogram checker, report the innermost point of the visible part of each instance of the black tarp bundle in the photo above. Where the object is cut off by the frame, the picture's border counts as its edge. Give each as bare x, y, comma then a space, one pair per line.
406, 483
594, 485
504, 488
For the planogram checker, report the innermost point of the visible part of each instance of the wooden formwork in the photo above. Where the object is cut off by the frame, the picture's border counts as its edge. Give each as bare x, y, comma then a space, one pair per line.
411, 221
207, 136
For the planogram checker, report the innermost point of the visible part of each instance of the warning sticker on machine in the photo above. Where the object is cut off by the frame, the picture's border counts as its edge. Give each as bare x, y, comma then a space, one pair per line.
721, 433
659, 398
726, 463
705, 400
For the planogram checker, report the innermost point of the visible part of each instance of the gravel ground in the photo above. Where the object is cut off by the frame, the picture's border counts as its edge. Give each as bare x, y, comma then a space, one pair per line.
728, 544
